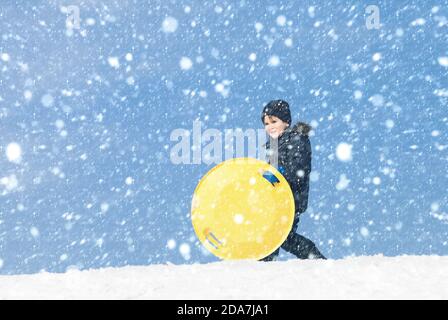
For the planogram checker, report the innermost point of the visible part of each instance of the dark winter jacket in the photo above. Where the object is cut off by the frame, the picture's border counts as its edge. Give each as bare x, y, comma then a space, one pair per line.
294, 161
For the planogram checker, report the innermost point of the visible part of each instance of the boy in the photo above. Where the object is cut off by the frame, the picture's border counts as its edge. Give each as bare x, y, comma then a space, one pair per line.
294, 161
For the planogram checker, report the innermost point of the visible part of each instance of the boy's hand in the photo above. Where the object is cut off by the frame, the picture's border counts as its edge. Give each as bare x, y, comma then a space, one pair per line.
281, 170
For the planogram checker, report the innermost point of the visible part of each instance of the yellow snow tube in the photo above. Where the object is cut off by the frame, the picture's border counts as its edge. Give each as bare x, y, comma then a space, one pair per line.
242, 209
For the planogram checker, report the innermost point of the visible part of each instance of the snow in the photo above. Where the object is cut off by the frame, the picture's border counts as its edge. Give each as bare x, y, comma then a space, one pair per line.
399, 32
104, 207
390, 123
368, 277
223, 88
364, 232
274, 61
114, 62
377, 100
312, 11
434, 206
238, 218
185, 251
418, 22
218, 9
441, 92
5, 57
10, 182
59, 124
376, 57
27, 94
258, 27
129, 57
34, 232
130, 81
435, 133
90, 21
443, 61
185, 63
343, 182
344, 152
47, 100
169, 25
281, 21
357, 94
14, 152
171, 244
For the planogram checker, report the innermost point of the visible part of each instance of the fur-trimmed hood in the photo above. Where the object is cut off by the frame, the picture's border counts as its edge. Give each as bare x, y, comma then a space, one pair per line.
299, 128
302, 128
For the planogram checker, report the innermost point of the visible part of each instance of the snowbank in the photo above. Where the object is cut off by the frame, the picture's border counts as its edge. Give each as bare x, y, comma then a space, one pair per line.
375, 277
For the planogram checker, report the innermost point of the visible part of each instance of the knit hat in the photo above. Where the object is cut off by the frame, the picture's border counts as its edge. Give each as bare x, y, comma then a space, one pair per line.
279, 109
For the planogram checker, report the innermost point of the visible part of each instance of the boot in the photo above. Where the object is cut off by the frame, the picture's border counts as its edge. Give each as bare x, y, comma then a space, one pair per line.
271, 257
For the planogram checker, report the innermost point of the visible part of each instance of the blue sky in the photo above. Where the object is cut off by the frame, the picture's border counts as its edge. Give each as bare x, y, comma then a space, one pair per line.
86, 116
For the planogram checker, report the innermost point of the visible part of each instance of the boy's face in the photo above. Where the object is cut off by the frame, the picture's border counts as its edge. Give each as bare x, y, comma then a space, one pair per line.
274, 126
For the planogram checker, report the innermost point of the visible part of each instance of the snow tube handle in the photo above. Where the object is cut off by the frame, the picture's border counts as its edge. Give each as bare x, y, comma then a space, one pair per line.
270, 177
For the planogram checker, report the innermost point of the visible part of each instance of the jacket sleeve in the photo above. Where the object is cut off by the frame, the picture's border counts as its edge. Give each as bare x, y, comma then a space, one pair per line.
298, 169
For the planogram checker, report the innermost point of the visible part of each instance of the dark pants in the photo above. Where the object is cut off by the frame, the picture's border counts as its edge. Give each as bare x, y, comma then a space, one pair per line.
301, 247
